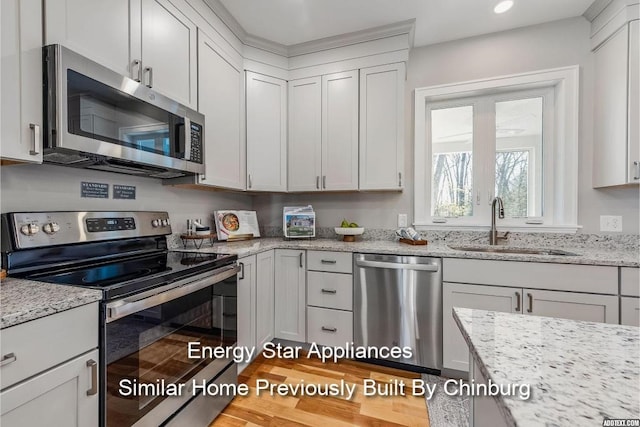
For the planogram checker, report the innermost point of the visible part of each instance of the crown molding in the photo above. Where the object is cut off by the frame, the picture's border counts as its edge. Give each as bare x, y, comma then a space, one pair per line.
395, 29
398, 28
229, 20
595, 9
264, 44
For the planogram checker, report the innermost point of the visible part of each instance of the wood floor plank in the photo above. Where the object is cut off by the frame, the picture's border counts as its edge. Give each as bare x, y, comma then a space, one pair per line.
375, 411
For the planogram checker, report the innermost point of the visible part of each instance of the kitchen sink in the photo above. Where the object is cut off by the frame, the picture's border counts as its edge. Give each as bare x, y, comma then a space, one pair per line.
508, 250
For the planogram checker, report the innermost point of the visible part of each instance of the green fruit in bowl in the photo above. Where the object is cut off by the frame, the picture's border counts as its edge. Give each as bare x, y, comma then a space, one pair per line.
344, 224
353, 225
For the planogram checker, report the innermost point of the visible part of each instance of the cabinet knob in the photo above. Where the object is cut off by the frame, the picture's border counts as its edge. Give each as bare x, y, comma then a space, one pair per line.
8, 359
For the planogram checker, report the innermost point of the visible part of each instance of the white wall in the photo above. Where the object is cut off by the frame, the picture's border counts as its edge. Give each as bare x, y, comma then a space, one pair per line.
49, 187
550, 45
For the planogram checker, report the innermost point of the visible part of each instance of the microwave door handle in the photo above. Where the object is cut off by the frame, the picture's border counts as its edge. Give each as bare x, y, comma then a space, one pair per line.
187, 139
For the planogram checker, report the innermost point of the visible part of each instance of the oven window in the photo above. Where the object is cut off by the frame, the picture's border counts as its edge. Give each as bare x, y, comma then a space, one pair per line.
101, 112
151, 346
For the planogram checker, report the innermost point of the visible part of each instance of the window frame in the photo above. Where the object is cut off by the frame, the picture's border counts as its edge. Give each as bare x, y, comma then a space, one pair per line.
559, 89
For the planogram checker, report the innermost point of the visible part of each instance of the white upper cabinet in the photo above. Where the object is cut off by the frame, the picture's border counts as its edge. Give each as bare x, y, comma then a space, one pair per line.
616, 160
148, 40
382, 127
305, 135
104, 31
266, 133
221, 100
21, 108
340, 131
169, 57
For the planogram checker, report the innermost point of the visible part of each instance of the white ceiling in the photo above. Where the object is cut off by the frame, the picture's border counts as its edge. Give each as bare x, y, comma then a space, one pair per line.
290, 22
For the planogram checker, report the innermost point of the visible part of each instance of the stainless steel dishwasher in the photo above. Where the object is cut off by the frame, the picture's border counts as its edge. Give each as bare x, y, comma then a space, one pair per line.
398, 302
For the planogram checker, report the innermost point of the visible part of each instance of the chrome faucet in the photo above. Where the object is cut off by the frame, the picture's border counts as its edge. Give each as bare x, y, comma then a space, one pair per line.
493, 233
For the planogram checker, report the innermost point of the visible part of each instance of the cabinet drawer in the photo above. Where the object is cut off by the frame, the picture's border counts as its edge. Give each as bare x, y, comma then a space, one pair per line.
630, 311
330, 290
42, 343
561, 277
329, 327
630, 281
333, 262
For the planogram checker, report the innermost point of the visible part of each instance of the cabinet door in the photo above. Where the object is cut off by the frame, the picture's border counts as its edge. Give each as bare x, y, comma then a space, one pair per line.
246, 305
221, 100
382, 127
340, 131
305, 135
290, 286
610, 111
266, 133
571, 305
265, 298
634, 102
630, 311
21, 80
455, 354
63, 396
169, 52
105, 31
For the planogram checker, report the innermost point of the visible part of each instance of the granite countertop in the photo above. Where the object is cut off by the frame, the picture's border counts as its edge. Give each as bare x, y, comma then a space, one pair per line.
24, 300
579, 372
588, 256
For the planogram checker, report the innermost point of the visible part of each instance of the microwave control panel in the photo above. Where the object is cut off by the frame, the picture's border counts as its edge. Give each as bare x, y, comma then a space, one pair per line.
196, 143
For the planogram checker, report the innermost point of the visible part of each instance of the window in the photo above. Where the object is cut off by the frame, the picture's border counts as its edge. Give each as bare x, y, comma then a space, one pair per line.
514, 137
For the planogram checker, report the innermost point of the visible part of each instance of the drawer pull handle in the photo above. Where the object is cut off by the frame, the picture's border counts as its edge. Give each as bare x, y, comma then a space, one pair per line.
301, 256
8, 358
518, 308
93, 365
324, 328
329, 291
241, 277
328, 261
530, 309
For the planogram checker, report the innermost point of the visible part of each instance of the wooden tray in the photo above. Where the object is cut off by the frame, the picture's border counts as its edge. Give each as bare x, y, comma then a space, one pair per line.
414, 242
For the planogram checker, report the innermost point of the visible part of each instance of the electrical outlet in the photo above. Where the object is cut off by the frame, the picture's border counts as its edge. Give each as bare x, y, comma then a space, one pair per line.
402, 220
610, 223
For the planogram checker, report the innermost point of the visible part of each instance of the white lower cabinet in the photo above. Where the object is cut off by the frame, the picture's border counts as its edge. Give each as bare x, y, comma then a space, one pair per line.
290, 295
50, 370
329, 298
246, 305
630, 311
66, 395
265, 298
559, 304
255, 302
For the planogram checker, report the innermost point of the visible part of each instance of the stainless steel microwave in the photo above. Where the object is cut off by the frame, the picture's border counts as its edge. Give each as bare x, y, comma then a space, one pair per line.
98, 119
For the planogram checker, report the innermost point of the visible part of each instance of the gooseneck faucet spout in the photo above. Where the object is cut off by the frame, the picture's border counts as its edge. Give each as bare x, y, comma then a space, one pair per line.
493, 233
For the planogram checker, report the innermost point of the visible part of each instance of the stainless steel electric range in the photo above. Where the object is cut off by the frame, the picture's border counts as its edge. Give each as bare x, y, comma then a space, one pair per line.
155, 301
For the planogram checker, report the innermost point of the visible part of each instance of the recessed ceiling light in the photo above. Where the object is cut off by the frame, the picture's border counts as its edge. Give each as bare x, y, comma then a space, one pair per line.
503, 6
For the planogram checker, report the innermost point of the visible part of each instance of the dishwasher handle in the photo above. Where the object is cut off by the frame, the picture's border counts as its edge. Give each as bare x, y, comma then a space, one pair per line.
398, 266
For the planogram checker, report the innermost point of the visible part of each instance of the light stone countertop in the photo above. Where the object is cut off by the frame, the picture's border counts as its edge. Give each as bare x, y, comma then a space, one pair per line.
25, 300
586, 255
579, 372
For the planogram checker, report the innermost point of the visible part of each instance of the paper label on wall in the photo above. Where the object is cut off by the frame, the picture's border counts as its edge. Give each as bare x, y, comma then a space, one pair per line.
94, 190
124, 192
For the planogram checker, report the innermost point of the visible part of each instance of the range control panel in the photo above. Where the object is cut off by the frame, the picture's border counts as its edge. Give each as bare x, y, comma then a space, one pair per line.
110, 224
36, 229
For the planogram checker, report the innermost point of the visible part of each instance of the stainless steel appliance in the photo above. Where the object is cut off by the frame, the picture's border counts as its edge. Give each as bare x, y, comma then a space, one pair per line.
98, 119
398, 302
155, 301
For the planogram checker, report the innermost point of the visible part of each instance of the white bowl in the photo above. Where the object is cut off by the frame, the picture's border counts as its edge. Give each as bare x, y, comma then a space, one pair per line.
349, 231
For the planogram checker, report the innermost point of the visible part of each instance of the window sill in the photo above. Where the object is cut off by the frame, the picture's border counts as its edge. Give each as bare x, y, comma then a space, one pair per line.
528, 228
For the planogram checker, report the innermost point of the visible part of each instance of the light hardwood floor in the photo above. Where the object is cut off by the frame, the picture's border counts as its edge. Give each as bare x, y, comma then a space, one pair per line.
361, 410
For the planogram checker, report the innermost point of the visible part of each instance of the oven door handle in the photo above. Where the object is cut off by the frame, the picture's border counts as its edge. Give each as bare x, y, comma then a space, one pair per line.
124, 307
